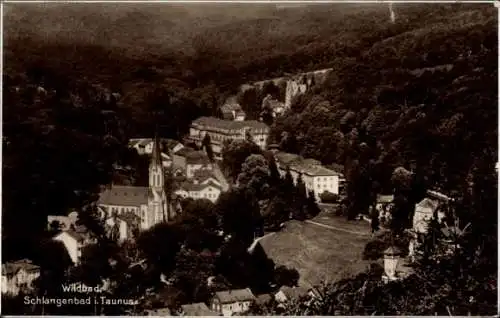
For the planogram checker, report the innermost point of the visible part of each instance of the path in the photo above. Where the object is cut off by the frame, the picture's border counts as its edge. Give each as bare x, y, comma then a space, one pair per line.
337, 228
250, 249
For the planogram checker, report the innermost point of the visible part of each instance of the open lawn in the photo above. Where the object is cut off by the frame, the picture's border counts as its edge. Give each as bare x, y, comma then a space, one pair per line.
319, 254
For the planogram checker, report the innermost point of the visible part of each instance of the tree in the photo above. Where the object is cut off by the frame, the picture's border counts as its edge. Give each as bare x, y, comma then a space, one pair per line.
284, 276
207, 145
235, 153
255, 175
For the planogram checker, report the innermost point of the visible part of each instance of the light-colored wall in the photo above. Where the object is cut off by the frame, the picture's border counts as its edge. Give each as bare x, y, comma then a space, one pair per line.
325, 183
236, 307
192, 167
71, 245
280, 297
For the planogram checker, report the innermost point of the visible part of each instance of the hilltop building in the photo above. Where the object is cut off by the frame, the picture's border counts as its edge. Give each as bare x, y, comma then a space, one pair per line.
221, 130
231, 110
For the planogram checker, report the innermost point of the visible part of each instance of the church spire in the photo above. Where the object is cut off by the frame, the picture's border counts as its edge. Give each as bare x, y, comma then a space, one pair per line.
156, 155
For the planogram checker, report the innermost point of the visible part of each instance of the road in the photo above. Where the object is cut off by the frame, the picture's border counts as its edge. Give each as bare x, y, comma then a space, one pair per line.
250, 249
337, 228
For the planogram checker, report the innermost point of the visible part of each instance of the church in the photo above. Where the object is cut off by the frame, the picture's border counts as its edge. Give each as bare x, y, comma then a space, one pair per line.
132, 208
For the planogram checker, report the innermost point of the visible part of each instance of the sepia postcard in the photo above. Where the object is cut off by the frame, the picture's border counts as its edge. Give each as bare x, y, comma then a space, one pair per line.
249, 159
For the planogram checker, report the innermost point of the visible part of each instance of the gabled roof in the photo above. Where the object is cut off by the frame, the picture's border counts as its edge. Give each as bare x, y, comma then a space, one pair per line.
11, 268
197, 157
294, 292
184, 151
428, 204
263, 299
385, 198
74, 234
189, 186
235, 295
204, 174
198, 309
124, 196
392, 251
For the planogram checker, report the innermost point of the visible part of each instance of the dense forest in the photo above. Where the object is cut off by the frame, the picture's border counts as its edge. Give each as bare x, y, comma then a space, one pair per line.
417, 96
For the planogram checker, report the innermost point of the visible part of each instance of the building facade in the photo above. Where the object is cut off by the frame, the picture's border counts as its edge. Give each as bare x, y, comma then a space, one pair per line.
316, 178
221, 130
149, 204
19, 276
195, 190
232, 302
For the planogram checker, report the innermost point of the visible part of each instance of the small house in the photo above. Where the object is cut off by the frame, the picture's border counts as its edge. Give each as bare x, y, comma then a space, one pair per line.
232, 302
197, 309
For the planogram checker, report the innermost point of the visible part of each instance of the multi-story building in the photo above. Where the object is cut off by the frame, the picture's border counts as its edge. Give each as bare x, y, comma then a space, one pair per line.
316, 178
188, 161
19, 276
221, 130
194, 189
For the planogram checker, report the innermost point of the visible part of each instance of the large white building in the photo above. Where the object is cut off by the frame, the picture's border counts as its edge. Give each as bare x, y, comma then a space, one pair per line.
149, 204
231, 302
221, 130
316, 177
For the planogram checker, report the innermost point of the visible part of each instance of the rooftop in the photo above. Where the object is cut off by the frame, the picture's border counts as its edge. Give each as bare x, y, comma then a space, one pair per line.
11, 268
124, 196
197, 157
193, 187
307, 166
212, 122
198, 309
294, 292
235, 295
428, 204
385, 198
204, 174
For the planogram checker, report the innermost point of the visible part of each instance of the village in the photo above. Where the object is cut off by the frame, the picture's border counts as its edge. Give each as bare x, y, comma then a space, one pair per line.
192, 167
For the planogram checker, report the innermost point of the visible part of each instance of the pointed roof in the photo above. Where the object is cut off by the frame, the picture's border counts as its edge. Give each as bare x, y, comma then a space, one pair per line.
156, 154
392, 251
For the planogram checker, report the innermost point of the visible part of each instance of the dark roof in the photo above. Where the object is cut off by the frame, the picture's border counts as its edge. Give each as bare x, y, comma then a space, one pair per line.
11, 268
212, 122
156, 154
392, 251
184, 151
235, 295
263, 299
197, 157
204, 174
307, 166
190, 186
124, 196
198, 309
158, 312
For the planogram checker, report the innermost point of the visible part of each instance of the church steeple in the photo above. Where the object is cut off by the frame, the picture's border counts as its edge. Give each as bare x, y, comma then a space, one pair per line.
156, 176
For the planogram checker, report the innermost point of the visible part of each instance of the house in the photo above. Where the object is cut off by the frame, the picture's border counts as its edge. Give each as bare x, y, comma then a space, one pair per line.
316, 178
195, 190
221, 131
149, 204
63, 222
197, 309
204, 176
73, 242
19, 276
189, 161
263, 299
277, 108
232, 302
158, 312
384, 205
286, 294
231, 110
122, 227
